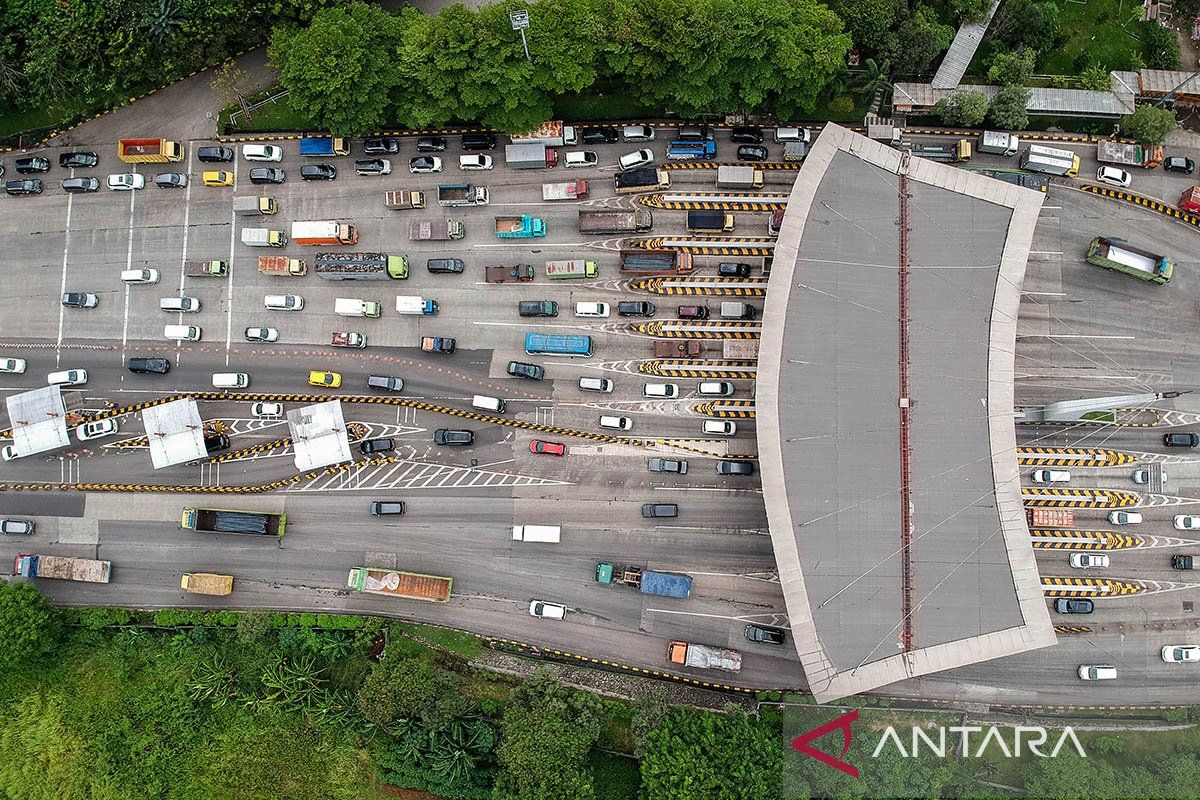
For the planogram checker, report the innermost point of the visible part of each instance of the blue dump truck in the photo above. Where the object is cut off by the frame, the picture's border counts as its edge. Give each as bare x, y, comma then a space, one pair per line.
647, 581
691, 150
324, 146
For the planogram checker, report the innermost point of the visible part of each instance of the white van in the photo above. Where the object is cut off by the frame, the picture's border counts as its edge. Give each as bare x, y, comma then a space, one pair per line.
139, 276
485, 403
187, 305
283, 302
1097, 672
262, 152
720, 427
536, 533
715, 388
596, 385
616, 423
591, 309
67, 377
667, 390
793, 135
184, 333
230, 380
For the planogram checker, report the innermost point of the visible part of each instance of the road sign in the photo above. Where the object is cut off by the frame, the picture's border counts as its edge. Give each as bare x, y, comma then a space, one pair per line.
519, 20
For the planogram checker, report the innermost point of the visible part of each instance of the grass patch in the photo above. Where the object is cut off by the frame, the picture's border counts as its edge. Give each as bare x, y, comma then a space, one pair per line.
464, 644
1100, 416
838, 113
615, 777
616, 735
271, 118
37, 119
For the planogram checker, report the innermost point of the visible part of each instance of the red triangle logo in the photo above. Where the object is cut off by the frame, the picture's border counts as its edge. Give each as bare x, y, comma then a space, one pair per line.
800, 743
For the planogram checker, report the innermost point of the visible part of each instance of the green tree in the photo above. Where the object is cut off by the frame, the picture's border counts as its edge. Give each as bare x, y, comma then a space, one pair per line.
867, 21
971, 10
253, 626
918, 41
1096, 77
1012, 69
1149, 124
29, 626
1008, 111
1161, 46
962, 108
693, 754
338, 71
1027, 23
399, 687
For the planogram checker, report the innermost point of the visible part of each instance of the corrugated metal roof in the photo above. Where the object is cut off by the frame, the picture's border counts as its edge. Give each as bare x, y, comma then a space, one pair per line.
1079, 102
950, 72
1162, 81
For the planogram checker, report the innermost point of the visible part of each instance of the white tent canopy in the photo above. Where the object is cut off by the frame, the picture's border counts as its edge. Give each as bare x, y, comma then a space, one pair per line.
39, 420
175, 432
319, 435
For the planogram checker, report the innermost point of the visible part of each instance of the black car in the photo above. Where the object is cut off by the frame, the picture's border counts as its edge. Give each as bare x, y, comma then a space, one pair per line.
431, 144
170, 180
216, 443
31, 164
603, 135
381, 146
652, 510
694, 133
727, 466
386, 508
1181, 440
445, 266
732, 269
267, 175
142, 366
1179, 164
26, 186
448, 437
752, 152
369, 446
764, 634
372, 166
215, 155
1066, 605
746, 135
537, 308
520, 369
318, 172
479, 140
636, 308
78, 159
78, 185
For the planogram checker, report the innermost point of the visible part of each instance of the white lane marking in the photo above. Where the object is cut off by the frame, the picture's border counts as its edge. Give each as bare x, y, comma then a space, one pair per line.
63, 288
187, 215
229, 287
1074, 336
128, 265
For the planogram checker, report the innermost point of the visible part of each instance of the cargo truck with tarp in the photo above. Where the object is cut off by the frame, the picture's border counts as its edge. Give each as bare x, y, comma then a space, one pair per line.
360, 266
647, 581
206, 583
63, 568
395, 583
316, 146
655, 262
223, 520
1128, 154
1120, 256
702, 656
614, 221
643, 179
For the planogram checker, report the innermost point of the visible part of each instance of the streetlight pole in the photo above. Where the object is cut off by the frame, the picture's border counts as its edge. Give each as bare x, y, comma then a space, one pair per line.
520, 21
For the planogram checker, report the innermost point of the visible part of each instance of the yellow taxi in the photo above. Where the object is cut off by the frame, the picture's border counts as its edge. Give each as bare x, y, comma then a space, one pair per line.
331, 379
218, 178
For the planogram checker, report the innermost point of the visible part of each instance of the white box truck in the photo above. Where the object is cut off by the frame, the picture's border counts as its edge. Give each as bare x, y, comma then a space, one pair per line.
353, 307
536, 533
1001, 144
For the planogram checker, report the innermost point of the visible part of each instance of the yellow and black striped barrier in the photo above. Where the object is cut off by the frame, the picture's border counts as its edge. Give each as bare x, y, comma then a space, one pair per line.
701, 285
726, 409
1072, 457
719, 201
699, 368
703, 245
1089, 587
254, 450
1060, 539
1150, 203
698, 329
1077, 497
783, 166
1072, 629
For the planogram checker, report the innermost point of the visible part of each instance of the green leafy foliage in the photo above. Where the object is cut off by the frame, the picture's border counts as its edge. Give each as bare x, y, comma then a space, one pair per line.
1097, 77
970, 10
867, 21
962, 108
1008, 108
1027, 23
1161, 46
1012, 69
1149, 124
399, 687
918, 41
730, 756
29, 626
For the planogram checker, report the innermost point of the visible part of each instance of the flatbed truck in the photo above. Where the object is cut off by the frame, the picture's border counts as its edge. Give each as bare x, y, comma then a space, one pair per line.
222, 520
454, 195
677, 348
206, 583
63, 568
702, 656
395, 583
520, 227
435, 230
568, 190
400, 199
282, 266
1119, 256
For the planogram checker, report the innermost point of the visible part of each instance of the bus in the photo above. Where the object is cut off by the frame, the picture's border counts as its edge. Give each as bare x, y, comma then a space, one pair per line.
537, 344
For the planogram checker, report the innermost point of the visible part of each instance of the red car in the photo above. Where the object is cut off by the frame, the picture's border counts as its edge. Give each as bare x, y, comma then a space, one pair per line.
537, 446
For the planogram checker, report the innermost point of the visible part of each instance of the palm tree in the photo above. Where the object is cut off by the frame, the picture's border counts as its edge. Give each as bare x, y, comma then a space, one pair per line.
213, 682
164, 21
876, 81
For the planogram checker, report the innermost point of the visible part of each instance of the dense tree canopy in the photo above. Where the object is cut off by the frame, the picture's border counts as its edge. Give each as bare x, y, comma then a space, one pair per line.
29, 625
730, 756
918, 41
1149, 124
1008, 108
962, 108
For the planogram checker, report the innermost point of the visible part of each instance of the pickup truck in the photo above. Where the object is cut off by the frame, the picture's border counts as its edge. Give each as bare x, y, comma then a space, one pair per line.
398, 199
205, 269
570, 190
435, 230
324, 146
282, 266
348, 339
437, 344
521, 273
453, 195
522, 227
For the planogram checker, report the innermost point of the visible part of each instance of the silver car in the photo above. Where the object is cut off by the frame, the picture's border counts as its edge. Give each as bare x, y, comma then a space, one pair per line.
20, 526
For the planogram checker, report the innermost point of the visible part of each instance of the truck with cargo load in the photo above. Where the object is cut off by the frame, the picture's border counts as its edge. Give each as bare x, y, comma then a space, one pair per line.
1050, 160
709, 221
957, 152
608, 221
548, 534
324, 146
222, 520
568, 190
530, 155
553, 133
795, 151
520, 227
1039, 183
205, 269
775, 222
691, 149
452, 195
399, 199
63, 568
206, 583
739, 349
1120, 256
149, 151
656, 262
702, 656
1127, 154
571, 268
497, 273
1189, 201
643, 179
647, 581
1050, 517
435, 230
360, 266
409, 304
357, 307
677, 348
248, 205
395, 583
263, 237
347, 339
324, 232
998, 143
438, 344
736, 177
282, 266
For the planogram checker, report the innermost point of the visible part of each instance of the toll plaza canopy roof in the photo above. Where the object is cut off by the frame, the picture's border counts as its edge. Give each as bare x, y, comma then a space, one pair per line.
39, 420
860, 418
175, 432
319, 435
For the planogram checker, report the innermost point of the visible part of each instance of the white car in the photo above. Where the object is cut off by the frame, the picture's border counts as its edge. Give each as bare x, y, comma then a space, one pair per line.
637, 133
540, 608
183, 304
591, 309
283, 302
8, 452
581, 158
1180, 653
262, 335
423, 165
1097, 672
471, 161
67, 377
262, 152
95, 429
793, 135
1113, 176
638, 158
1089, 560
1125, 517
267, 410
126, 181
616, 423
667, 390
13, 365
720, 427
1187, 522
1051, 476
